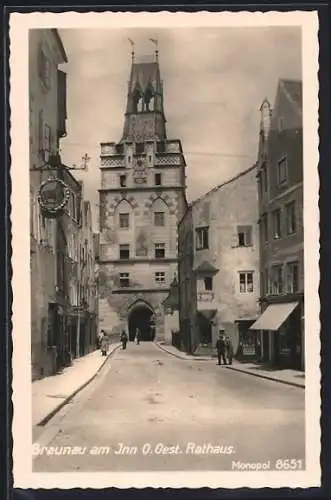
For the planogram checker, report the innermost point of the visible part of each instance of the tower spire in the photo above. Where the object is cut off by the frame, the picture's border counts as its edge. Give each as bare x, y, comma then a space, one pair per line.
156, 43
132, 52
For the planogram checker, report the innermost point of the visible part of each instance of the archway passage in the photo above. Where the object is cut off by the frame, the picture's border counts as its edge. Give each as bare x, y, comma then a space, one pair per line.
140, 318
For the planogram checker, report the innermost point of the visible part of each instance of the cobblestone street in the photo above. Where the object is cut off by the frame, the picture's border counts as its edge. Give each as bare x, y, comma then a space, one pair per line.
151, 411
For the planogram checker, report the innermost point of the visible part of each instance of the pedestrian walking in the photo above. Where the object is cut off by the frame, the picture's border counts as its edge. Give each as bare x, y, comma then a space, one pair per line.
124, 339
104, 344
258, 350
221, 348
229, 349
138, 336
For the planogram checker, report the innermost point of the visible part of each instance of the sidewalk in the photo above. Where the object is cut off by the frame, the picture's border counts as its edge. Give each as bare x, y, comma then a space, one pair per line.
50, 394
286, 376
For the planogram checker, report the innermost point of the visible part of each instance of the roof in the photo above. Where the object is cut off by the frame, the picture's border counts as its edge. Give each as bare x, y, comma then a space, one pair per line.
293, 89
219, 186
60, 43
206, 267
145, 73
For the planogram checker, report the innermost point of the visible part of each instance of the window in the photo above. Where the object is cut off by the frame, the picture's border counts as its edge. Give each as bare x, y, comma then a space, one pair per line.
123, 180
119, 149
292, 277
160, 278
246, 282
291, 224
124, 221
124, 251
159, 249
44, 69
124, 280
265, 228
157, 179
208, 283
264, 177
140, 148
244, 236
160, 147
202, 238
282, 171
159, 219
276, 222
277, 280
150, 158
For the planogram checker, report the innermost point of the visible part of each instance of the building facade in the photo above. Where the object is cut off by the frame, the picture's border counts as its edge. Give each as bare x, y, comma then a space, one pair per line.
142, 198
280, 180
47, 124
219, 266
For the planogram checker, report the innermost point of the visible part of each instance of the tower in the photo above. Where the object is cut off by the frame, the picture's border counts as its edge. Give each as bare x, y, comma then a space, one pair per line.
142, 198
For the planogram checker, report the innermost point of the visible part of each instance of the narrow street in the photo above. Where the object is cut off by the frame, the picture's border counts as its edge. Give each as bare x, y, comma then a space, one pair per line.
163, 409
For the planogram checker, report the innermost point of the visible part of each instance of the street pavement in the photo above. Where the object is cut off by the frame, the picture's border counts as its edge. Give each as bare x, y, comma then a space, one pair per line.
148, 410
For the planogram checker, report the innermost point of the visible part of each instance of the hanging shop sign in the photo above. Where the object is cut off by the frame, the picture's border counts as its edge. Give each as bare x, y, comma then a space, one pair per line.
53, 196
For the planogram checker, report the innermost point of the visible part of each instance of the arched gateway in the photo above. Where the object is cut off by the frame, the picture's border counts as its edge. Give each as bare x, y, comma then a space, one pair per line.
140, 315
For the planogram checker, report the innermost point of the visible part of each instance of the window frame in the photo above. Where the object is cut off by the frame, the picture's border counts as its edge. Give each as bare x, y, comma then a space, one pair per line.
245, 231
288, 206
156, 215
156, 250
290, 276
246, 285
282, 161
208, 283
123, 180
277, 234
158, 179
124, 276
120, 218
277, 286
159, 277
141, 146
202, 238
127, 249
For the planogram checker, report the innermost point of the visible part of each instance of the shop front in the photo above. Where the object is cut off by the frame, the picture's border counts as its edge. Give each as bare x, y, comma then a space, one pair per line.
280, 327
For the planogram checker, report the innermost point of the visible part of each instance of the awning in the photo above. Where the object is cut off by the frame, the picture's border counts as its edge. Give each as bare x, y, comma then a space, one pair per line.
274, 316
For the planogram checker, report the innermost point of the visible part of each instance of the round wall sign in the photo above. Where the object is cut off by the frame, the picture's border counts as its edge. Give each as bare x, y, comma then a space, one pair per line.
53, 196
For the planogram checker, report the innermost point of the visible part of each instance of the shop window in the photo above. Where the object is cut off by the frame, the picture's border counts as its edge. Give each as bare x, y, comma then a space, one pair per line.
291, 223
124, 221
292, 269
244, 236
276, 221
159, 219
202, 238
159, 250
160, 278
246, 282
124, 280
124, 251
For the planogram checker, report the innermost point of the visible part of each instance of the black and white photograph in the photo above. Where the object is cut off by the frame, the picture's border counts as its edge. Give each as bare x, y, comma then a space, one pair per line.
165, 179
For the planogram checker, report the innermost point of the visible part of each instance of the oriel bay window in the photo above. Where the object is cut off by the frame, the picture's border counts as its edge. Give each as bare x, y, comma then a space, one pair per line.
202, 238
246, 282
124, 280
124, 251
292, 271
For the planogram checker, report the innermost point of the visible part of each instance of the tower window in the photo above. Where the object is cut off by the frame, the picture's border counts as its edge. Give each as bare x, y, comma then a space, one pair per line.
123, 180
160, 147
202, 239
124, 280
208, 280
159, 250
159, 219
124, 221
119, 149
140, 148
244, 236
124, 251
158, 179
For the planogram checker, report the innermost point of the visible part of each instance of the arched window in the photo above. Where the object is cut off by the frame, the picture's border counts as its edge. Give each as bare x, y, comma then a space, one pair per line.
149, 99
123, 213
160, 211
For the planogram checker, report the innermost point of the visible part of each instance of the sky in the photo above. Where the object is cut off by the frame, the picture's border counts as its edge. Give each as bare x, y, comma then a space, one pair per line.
215, 80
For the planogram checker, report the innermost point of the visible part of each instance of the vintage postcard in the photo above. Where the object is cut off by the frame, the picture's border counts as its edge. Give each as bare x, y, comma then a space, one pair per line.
165, 237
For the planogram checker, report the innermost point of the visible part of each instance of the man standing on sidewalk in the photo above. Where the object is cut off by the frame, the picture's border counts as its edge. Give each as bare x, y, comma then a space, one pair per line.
229, 349
221, 348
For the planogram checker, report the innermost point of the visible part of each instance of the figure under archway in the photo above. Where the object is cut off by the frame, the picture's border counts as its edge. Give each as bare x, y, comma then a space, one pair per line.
141, 317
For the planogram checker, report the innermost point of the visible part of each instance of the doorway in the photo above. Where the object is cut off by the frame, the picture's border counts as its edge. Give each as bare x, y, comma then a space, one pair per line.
140, 318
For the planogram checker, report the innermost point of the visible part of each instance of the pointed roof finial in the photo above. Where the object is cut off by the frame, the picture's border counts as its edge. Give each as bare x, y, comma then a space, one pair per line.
155, 42
132, 45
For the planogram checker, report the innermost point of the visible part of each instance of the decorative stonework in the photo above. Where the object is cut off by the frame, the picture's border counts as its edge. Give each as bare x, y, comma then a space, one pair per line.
112, 162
